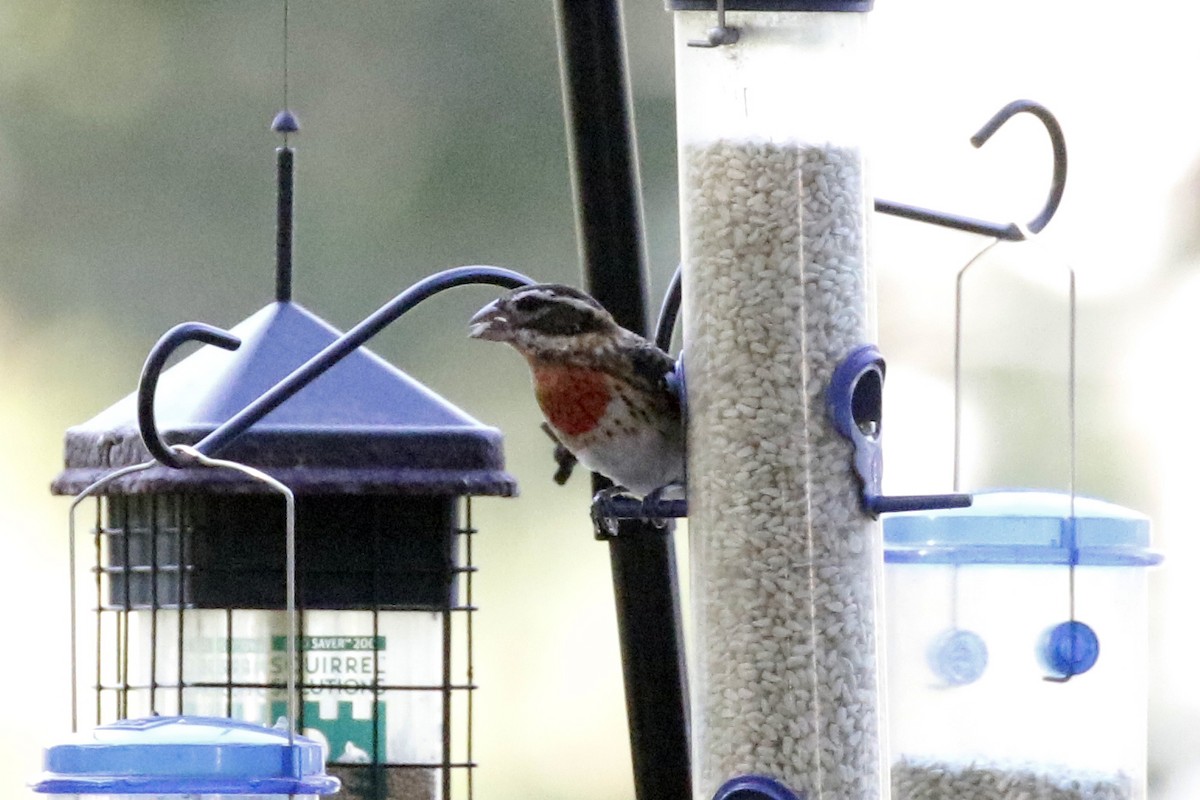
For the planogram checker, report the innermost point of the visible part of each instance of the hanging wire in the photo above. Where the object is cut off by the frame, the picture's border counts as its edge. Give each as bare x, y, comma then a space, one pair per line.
1073, 431
289, 561
958, 342
286, 48
79, 498
1071, 543
194, 456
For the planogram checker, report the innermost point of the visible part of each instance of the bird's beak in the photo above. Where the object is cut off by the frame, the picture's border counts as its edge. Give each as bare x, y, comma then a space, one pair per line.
490, 323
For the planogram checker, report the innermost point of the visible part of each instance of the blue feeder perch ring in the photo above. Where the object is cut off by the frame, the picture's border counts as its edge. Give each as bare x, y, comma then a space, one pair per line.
207, 756
1070, 648
958, 656
756, 787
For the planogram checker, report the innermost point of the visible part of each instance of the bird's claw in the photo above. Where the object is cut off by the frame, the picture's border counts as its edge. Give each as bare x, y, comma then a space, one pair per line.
615, 503
606, 523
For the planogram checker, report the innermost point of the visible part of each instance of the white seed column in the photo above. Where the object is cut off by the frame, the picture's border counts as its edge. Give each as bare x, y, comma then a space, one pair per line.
787, 569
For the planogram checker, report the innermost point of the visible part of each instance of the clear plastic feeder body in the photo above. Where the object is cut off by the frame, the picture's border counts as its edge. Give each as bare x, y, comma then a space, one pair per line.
999, 682
786, 567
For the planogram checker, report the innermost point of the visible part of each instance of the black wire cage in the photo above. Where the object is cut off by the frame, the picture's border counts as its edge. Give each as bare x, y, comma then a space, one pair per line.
183, 607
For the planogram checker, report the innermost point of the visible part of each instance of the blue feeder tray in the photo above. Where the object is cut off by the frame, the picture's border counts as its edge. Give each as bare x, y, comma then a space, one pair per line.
185, 756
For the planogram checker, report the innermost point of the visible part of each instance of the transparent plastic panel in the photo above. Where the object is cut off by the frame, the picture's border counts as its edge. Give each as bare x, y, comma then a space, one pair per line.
786, 568
1009, 729
791, 77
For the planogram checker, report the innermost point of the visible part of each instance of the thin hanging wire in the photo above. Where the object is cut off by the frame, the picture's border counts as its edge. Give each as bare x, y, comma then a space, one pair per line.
1072, 419
286, 47
195, 456
1071, 383
290, 564
79, 498
958, 347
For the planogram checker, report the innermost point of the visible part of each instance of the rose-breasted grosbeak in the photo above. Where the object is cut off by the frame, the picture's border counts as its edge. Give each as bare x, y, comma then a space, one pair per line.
603, 389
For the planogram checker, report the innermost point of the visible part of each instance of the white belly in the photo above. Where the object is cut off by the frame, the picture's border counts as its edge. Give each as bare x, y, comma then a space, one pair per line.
641, 462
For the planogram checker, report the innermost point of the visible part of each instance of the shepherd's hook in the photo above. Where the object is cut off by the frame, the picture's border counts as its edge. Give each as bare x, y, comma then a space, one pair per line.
1011, 231
171, 341
303, 375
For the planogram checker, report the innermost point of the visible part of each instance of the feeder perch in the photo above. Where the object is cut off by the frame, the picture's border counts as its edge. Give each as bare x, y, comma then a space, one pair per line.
855, 403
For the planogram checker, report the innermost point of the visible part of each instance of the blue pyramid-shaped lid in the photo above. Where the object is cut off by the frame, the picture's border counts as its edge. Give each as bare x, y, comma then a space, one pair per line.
363, 426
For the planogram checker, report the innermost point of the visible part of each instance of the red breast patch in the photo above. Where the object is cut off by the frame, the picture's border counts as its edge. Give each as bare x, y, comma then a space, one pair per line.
572, 398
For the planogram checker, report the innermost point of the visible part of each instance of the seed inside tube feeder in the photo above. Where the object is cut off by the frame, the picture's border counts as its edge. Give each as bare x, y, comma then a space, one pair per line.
785, 582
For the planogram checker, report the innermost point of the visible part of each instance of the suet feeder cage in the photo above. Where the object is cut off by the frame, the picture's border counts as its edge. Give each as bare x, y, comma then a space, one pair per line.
186, 587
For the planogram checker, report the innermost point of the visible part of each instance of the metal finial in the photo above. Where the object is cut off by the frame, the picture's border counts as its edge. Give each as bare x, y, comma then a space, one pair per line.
285, 122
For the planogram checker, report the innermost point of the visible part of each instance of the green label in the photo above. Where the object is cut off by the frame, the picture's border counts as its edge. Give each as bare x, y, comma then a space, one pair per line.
309, 643
350, 739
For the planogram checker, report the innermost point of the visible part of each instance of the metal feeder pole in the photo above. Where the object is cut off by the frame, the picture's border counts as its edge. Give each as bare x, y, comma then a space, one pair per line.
609, 228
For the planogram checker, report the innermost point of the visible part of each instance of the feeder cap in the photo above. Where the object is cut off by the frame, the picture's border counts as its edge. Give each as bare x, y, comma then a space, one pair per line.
185, 755
362, 427
1022, 526
285, 122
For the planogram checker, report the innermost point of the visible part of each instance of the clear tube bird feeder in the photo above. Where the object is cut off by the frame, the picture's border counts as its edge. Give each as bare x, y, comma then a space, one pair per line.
777, 291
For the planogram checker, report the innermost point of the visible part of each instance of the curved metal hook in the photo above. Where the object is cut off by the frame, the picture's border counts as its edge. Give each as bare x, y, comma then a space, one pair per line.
664, 329
307, 372
148, 383
1010, 231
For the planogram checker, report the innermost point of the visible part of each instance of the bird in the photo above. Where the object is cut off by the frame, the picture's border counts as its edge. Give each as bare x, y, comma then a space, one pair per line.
607, 394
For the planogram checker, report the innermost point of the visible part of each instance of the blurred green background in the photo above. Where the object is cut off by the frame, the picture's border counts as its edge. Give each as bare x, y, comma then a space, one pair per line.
136, 191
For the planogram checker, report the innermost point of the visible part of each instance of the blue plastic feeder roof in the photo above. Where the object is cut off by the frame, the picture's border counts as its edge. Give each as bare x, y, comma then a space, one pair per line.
363, 427
190, 756
1021, 527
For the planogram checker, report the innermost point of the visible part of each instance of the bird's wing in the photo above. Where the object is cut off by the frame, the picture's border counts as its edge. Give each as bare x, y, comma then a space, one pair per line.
651, 366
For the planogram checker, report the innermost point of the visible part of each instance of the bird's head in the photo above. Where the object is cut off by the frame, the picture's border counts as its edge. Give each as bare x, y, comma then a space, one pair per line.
543, 318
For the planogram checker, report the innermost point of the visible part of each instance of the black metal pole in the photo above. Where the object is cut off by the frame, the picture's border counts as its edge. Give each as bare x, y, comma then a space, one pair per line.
609, 228
283, 227
285, 122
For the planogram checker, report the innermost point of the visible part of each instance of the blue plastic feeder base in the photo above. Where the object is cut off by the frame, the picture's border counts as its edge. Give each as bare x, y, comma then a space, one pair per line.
182, 757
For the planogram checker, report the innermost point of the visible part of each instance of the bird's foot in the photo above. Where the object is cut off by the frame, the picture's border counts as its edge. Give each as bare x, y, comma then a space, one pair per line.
605, 517
616, 503
664, 503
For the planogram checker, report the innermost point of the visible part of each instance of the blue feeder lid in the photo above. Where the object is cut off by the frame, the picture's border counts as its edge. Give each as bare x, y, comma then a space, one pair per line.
185, 755
1021, 526
362, 427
